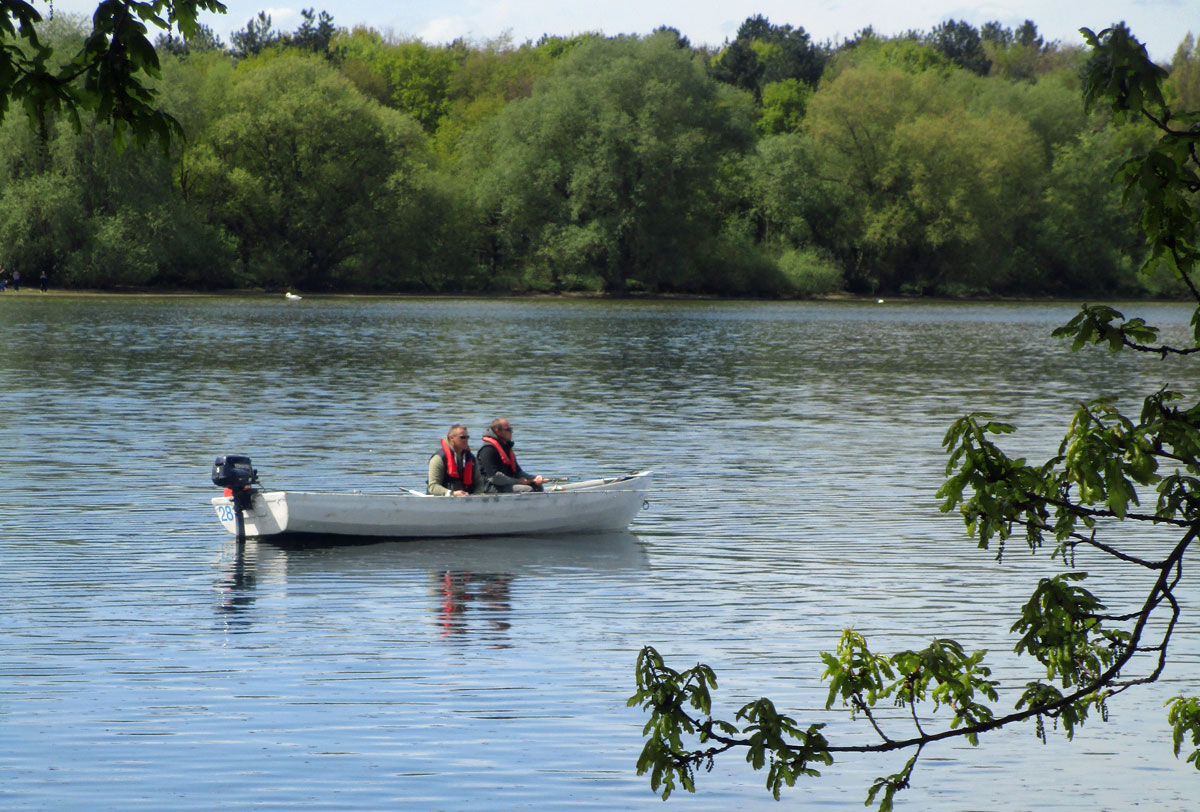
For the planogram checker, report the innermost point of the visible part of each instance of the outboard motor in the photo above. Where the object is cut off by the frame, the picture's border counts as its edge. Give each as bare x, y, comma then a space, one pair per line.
236, 475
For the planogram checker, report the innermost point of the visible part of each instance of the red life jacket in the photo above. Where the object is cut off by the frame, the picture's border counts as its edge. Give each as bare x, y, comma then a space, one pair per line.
468, 472
507, 458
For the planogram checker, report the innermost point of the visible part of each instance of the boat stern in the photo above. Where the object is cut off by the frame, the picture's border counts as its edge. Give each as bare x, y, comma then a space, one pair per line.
266, 515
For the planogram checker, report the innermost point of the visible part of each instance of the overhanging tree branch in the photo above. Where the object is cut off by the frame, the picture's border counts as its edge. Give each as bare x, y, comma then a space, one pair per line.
108, 76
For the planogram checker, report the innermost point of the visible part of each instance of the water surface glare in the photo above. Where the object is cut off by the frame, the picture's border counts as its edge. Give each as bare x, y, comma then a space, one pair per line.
149, 662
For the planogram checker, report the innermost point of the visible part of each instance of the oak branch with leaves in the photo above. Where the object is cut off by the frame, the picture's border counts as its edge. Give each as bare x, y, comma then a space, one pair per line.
109, 75
1090, 653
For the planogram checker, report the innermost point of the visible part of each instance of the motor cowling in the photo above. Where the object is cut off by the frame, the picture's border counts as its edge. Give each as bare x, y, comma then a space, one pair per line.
234, 472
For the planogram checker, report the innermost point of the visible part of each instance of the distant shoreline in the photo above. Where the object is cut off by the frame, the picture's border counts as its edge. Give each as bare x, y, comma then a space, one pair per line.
589, 296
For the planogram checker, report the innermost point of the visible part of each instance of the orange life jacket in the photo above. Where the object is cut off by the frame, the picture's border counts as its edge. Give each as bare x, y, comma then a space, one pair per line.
468, 472
509, 459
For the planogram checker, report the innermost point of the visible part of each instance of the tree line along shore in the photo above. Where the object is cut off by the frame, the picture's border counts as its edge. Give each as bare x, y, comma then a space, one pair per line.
953, 162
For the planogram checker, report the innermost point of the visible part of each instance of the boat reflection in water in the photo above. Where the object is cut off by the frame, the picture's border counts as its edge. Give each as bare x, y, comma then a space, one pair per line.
467, 584
487, 594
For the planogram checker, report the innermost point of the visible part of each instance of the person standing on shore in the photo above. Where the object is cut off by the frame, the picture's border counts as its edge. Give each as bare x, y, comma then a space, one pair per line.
16, 281
44, 280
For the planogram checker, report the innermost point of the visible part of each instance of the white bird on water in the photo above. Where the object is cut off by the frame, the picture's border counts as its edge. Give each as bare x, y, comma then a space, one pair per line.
293, 297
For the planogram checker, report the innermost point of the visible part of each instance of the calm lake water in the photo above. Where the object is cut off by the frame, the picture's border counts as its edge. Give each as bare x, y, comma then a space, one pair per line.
147, 663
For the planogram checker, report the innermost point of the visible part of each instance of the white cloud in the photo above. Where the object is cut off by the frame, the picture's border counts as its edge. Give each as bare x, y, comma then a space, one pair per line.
445, 29
282, 19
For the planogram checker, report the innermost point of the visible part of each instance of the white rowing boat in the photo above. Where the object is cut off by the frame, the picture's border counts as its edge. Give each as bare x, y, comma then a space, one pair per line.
590, 506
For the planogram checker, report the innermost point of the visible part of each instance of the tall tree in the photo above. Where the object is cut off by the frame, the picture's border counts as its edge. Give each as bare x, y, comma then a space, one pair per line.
1183, 85
905, 53
1088, 652
738, 65
783, 106
417, 75
308, 175
604, 171
1087, 237
489, 77
257, 36
961, 43
315, 32
763, 53
936, 186
1027, 35
203, 40
996, 33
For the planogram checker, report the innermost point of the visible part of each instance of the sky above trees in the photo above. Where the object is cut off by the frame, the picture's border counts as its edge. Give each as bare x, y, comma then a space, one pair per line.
1161, 24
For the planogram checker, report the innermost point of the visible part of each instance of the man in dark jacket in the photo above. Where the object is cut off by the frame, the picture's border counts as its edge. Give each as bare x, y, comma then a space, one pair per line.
498, 468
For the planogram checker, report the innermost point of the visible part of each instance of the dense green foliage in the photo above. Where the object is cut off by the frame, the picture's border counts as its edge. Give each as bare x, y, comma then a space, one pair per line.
953, 162
1082, 506
638, 135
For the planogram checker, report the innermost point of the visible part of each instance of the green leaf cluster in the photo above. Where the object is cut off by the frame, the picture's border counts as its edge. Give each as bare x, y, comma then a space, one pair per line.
1062, 627
942, 673
1184, 716
667, 694
110, 75
680, 708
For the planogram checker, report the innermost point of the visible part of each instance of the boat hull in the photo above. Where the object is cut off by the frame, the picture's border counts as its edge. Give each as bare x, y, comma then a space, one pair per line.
596, 506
